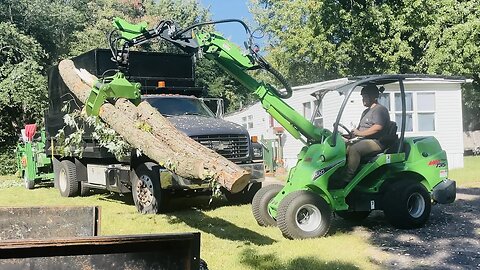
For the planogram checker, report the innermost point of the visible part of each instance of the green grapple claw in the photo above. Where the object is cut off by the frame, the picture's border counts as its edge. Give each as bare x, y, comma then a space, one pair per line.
130, 31
117, 87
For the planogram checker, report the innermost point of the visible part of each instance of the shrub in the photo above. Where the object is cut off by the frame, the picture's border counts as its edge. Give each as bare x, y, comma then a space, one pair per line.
7, 161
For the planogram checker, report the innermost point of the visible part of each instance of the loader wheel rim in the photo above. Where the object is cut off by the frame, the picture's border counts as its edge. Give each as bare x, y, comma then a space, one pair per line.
62, 180
416, 205
145, 190
308, 218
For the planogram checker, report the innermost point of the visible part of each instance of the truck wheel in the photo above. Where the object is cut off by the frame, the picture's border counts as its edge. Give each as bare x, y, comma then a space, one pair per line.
67, 179
407, 205
260, 204
243, 197
148, 196
203, 265
353, 216
28, 184
304, 214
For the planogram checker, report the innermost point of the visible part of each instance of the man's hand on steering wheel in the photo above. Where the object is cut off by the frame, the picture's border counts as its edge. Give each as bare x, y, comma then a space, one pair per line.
349, 135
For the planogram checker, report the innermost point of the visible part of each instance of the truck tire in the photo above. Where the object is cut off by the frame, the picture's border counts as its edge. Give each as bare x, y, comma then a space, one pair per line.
203, 265
67, 179
148, 196
28, 184
407, 204
245, 196
260, 205
353, 216
303, 214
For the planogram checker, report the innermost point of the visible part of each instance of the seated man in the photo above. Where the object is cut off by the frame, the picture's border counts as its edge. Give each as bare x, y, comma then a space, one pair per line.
371, 128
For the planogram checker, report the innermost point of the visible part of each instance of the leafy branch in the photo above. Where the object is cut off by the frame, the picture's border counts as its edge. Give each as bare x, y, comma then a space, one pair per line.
105, 136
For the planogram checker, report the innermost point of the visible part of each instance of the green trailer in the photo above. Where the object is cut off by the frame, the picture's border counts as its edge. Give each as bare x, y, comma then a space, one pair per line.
33, 164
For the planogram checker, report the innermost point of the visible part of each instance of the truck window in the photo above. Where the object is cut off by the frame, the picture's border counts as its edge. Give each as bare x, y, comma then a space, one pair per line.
172, 106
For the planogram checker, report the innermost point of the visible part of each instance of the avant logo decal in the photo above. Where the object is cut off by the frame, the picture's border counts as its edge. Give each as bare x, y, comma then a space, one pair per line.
437, 163
322, 171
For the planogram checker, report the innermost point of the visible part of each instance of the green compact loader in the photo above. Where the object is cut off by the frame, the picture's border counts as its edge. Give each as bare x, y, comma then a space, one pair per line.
403, 180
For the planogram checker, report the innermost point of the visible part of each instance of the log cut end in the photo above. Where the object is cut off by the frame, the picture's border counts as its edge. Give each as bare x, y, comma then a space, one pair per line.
240, 181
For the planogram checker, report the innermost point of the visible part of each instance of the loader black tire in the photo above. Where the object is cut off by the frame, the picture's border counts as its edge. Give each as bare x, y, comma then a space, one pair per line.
67, 179
260, 204
407, 204
148, 196
303, 214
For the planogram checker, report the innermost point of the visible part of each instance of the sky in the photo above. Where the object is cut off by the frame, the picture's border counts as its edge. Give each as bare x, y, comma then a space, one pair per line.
230, 9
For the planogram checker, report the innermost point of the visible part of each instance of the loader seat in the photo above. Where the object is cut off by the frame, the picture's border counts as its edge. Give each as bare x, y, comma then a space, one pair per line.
389, 141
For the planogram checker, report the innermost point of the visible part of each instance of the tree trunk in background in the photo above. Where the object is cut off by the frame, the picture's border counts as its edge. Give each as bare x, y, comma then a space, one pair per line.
164, 144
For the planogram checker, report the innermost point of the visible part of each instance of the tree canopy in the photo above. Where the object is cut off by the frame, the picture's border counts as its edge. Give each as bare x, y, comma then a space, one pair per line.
312, 40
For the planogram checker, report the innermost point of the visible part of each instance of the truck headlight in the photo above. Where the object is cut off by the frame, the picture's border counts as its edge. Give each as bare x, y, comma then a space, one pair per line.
257, 152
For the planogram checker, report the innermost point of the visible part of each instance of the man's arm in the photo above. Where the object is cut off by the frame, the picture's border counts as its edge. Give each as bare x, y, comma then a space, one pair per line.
367, 132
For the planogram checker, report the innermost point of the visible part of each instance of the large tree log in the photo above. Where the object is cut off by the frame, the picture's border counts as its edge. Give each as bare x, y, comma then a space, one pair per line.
164, 144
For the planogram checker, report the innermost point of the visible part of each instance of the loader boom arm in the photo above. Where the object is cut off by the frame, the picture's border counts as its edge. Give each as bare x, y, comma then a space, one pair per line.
236, 63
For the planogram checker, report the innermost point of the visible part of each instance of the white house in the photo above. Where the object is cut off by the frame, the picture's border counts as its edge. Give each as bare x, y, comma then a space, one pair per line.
434, 108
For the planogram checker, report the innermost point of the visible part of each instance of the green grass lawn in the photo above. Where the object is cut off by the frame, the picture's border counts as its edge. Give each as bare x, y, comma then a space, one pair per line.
469, 175
230, 237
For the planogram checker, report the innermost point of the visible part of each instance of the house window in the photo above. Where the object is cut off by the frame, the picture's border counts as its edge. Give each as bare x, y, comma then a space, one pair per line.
420, 110
307, 110
408, 108
318, 117
250, 122
244, 121
426, 111
384, 99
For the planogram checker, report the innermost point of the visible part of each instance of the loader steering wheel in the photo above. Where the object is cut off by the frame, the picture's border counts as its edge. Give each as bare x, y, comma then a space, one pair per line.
349, 132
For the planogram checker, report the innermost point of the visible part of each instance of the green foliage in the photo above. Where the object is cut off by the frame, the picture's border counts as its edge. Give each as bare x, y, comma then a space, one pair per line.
318, 40
72, 144
22, 83
50, 22
471, 108
220, 84
311, 41
7, 160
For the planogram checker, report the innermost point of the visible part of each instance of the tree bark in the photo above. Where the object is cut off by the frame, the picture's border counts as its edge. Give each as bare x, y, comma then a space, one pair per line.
162, 143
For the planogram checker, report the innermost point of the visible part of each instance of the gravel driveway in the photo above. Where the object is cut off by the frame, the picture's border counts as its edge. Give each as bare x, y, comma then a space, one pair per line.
450, 239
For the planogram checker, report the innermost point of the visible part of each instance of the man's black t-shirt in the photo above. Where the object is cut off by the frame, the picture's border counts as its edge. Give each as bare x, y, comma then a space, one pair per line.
371, 116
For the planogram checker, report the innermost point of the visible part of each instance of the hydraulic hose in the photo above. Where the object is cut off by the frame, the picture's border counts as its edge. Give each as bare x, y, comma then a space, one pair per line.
288, 89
